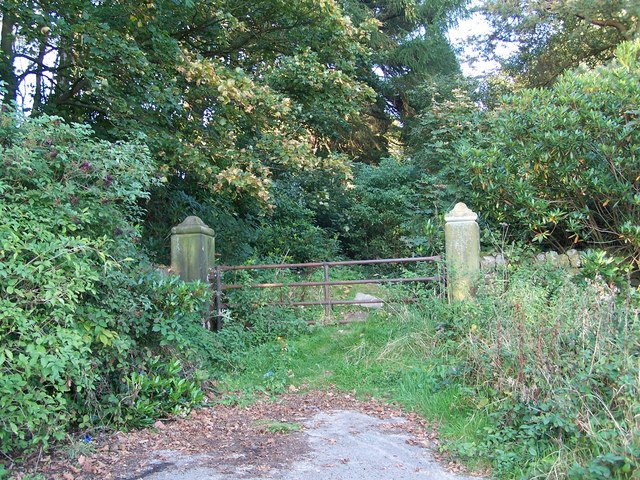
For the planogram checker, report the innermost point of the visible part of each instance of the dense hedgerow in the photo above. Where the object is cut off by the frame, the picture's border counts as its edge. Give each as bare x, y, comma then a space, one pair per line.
89, 334
560, 165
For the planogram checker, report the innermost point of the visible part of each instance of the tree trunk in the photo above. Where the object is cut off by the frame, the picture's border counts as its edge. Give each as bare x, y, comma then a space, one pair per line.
7, 72
38, 95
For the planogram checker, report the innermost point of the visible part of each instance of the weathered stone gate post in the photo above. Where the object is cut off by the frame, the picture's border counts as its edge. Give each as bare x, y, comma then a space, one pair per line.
462, 250
192, 249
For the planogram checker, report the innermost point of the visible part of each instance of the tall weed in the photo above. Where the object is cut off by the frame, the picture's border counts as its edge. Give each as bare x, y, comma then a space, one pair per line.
555, 363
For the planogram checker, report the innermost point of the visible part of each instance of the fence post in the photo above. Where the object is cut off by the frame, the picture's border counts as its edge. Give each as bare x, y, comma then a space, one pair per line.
192, 249
193, 254
462, 249
327, 292
218, 306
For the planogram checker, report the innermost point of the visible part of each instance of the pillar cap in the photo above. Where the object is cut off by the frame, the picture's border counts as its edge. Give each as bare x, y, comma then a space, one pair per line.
192, 224
460, 213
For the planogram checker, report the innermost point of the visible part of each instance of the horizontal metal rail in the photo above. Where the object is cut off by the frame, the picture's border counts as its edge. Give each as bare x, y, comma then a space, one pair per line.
309, 303
225, 268
233, 286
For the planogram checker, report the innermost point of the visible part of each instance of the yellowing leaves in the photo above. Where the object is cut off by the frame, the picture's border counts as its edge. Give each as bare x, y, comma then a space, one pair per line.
237, 182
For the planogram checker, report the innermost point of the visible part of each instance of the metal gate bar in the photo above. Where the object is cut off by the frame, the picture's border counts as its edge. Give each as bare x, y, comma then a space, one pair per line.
335, 302
331, 264
326, 283
331, 283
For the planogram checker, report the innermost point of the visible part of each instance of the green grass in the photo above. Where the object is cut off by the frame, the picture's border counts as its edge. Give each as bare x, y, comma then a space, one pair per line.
279, 427
391, 356
537, 378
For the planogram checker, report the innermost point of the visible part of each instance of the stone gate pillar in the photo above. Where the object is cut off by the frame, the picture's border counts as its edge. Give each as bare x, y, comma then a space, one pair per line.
462, 250
192, 249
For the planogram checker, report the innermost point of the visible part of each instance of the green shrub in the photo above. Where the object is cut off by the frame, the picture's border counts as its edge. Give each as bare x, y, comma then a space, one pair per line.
244, 229
555, 365
159, 392
80, 308
290, 232
256, 310
561, 164
253, 317
432, 139
235, 225
386, 216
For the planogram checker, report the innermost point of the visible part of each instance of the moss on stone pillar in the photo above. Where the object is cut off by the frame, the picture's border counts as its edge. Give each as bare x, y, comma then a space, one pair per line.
462, 249
192, 249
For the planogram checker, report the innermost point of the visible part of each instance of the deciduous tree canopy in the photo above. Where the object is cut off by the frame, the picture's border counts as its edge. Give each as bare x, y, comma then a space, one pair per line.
225, 91
215, 86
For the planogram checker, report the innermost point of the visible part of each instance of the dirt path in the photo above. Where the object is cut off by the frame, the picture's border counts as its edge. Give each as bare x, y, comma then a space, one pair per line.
326, 435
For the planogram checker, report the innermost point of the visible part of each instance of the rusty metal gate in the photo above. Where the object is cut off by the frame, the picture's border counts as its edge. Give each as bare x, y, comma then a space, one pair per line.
216, 279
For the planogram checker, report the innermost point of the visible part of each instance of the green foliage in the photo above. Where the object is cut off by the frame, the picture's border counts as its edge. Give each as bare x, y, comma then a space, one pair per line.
432, 138
290, 232
393, 208
561, 165
159, 392
63, 196
329, 101
599, 264
550, 38
231, 99
538, 377
251, 307
386, 216
251, 320
553, 363
235, 223
408, 47
228, 96
80, 310
219, 88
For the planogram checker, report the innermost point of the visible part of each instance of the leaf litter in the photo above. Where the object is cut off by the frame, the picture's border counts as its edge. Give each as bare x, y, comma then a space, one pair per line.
229, 438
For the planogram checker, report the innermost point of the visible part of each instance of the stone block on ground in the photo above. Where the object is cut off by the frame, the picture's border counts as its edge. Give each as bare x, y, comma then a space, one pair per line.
351, 317
552, 257
364, 297
574, 258
488, 262
501, 261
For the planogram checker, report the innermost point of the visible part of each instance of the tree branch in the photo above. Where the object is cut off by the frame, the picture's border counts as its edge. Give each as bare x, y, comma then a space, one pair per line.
76, 87
625, 31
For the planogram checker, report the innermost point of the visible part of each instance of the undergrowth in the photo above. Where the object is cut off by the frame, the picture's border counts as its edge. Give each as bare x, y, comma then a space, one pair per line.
91, 336
538, 378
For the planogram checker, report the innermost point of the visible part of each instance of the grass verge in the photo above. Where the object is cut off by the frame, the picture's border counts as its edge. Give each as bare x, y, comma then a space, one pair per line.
391, 356
538, 378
